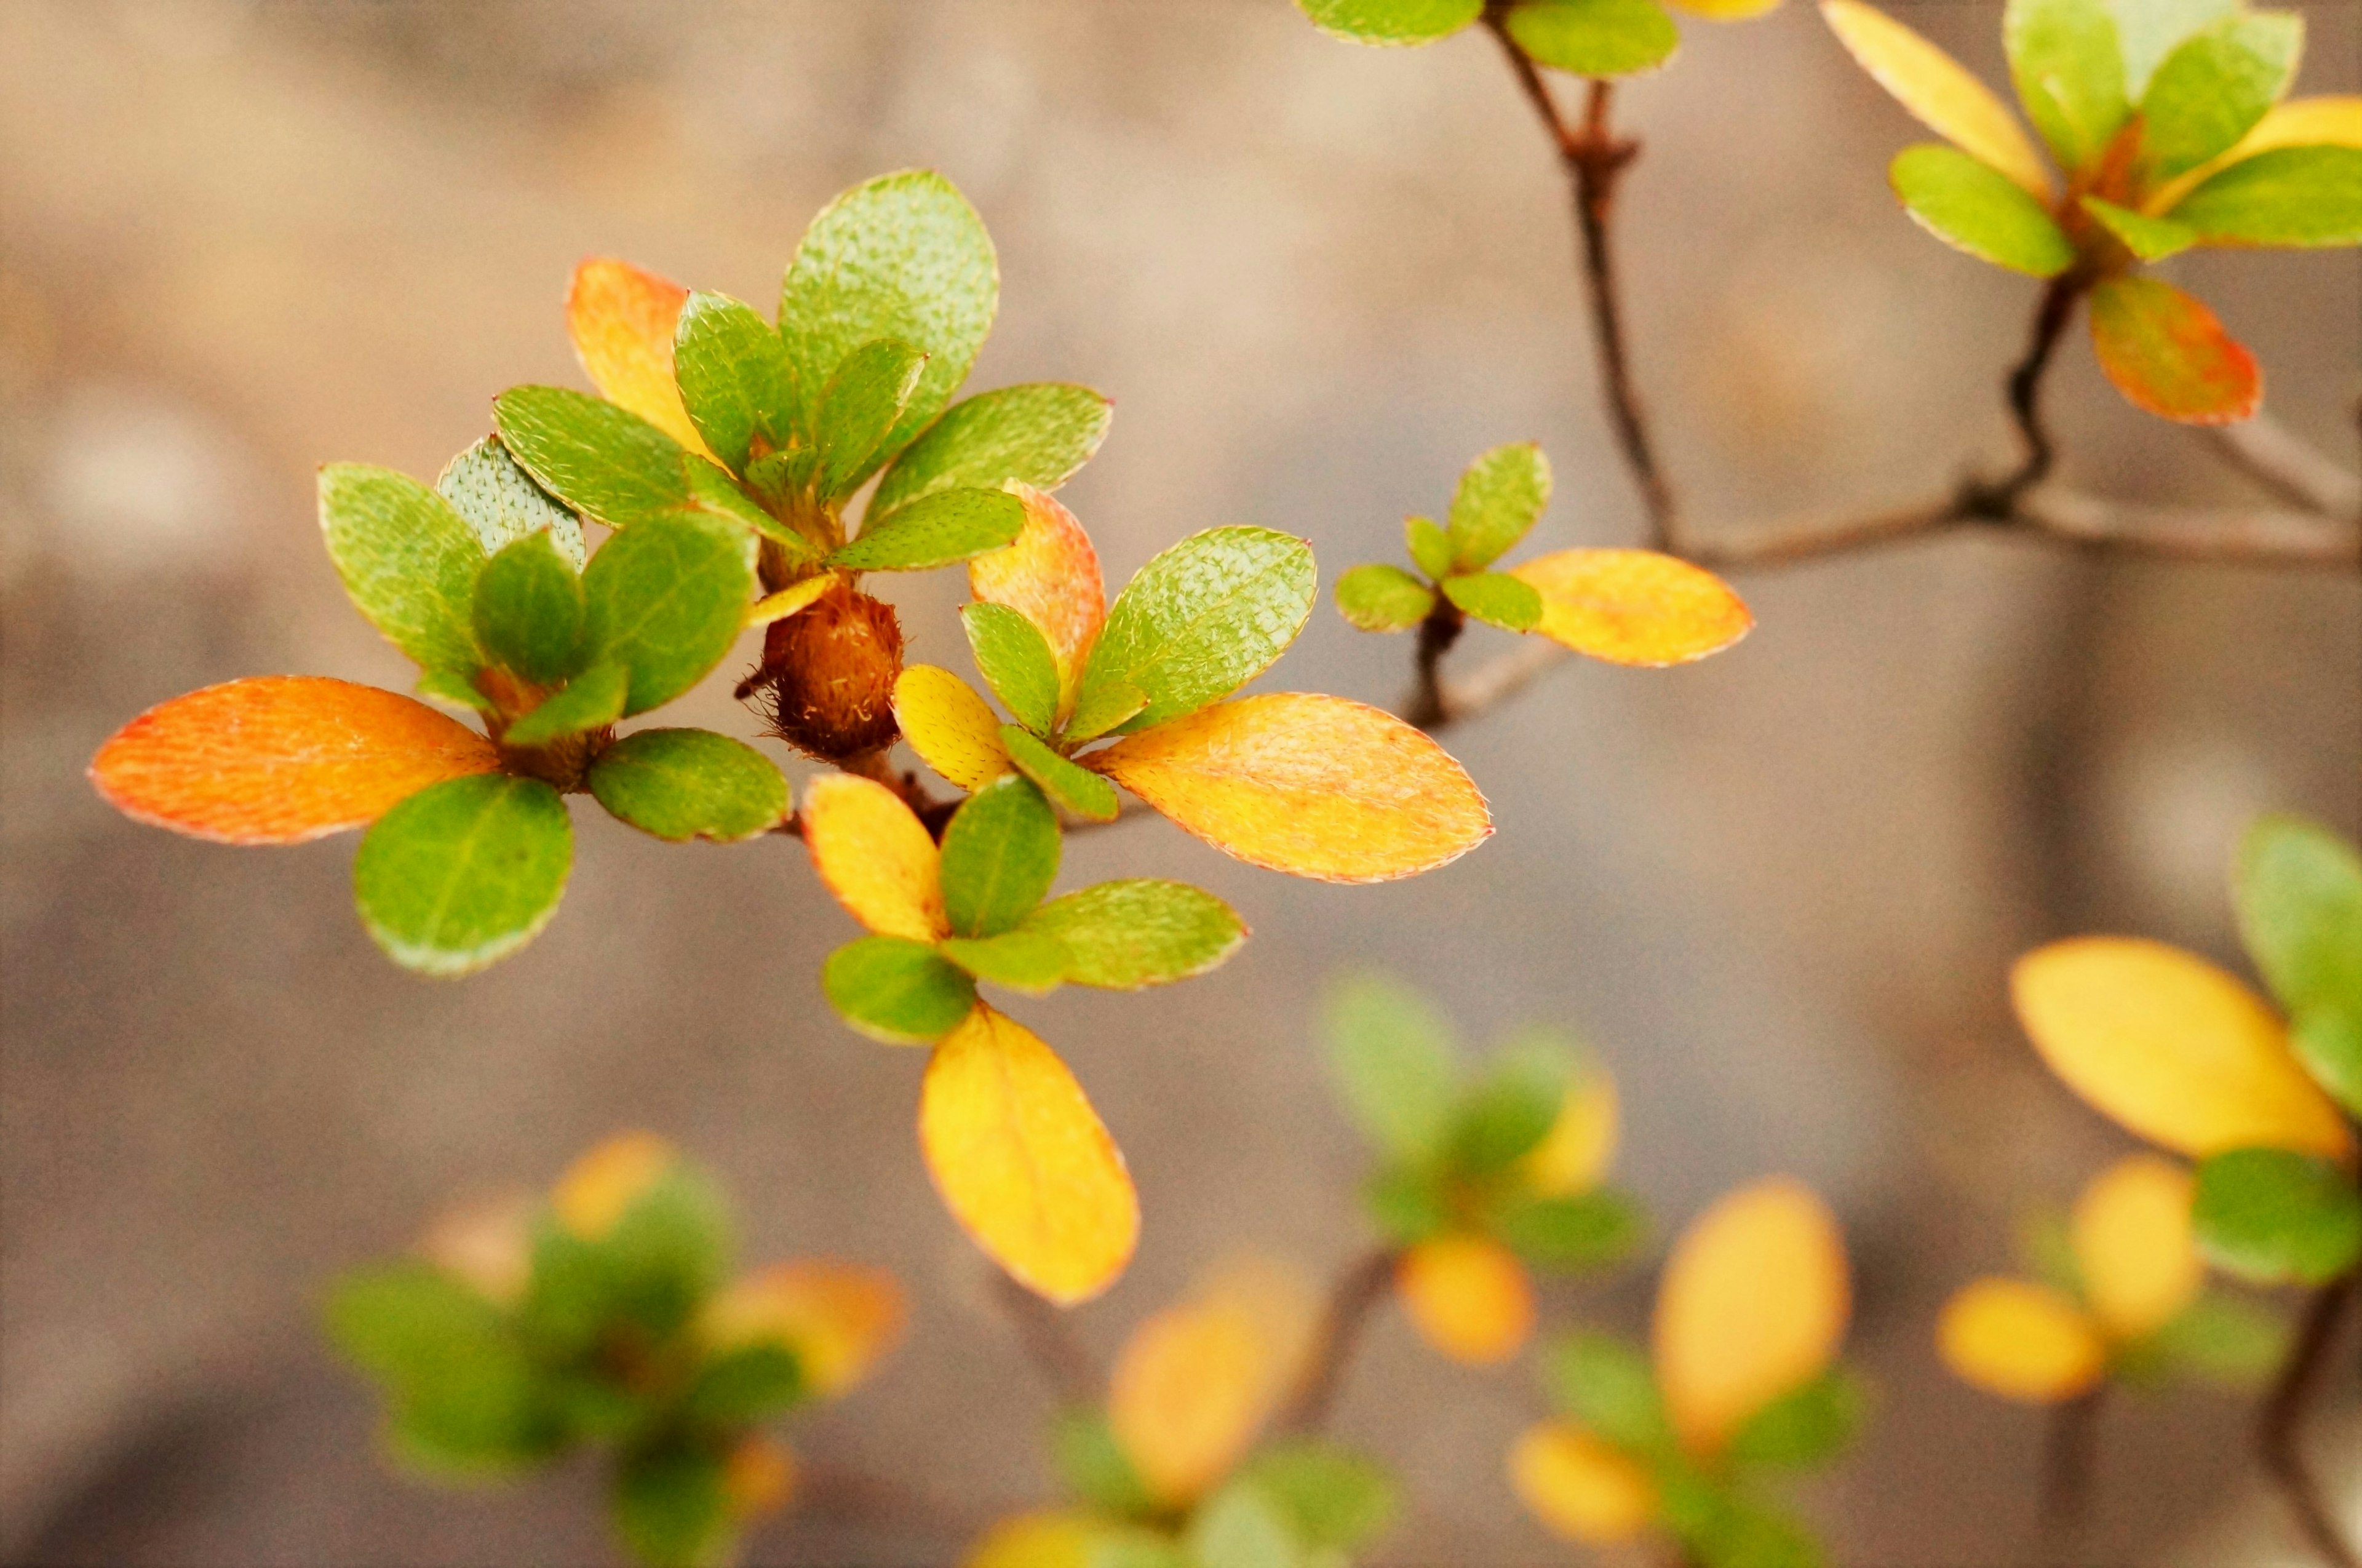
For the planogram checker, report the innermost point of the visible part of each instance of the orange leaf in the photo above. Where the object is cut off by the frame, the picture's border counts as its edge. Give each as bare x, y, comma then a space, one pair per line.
1050, 576
2171, 1048
1313, 786
839, 1318
622, 321
2134, 1246
1579, 1487
876, 856
281, 758
1752, 1304
1468, 1297
1940, 92
1189, 1392
2170, 355
1023, 1161
601, 1184
2020, 1341
759, 1477
1634, 606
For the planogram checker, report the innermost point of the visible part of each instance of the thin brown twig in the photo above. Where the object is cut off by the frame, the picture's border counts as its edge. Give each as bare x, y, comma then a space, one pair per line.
1361, 1286
2069, 1450
2280, 1421
1067, 1371
847, 1496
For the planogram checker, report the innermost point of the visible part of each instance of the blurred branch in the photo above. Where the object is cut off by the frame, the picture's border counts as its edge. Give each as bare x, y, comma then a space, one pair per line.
2069, 1447
1065, 1368
2269, 453
2280, 1424
1361, 1287
846, 1496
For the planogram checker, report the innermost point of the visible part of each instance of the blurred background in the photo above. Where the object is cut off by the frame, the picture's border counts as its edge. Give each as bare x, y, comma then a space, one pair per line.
1777, 890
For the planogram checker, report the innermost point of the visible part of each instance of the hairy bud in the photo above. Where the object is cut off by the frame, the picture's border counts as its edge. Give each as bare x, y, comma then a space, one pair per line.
827, 677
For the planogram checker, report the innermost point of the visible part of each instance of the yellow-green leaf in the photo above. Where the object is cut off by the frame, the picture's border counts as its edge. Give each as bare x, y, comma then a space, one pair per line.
949, 725
1636, 607
1939, 91
1972, 206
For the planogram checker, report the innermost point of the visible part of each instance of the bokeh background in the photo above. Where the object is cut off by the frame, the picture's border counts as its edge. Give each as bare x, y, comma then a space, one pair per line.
1777, 890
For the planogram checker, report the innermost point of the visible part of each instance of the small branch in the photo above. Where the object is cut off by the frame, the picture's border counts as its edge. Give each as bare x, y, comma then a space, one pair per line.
1065, 1368
2069, 1448
1442, 628
1360, 1287
2269, 453
2278, 1424
2022, 389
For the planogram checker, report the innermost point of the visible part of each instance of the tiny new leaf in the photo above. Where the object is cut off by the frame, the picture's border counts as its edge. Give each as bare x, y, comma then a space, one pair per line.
529, 609
1383, 598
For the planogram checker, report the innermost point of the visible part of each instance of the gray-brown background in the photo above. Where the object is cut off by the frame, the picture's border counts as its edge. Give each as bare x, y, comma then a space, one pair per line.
1778, 889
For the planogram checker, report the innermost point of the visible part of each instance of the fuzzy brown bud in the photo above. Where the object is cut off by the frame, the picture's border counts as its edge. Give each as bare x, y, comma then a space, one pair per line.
827, 677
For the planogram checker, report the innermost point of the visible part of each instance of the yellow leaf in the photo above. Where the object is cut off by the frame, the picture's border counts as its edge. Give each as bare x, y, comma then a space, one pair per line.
1581, 1143
839, 1318
1049, 574
2332, 120
1468, 1297
1752, 1305
1023, 1161
622, 321
876, 856
788, 600
2134, 1246
1728, 10
1580, 1487
1189, 1392
595, 1191
1313, 786
1052, 1538
1634, 607
1939, 91
1284, 1306
2171, 1048
759, 1477
949, 725
2020, 1341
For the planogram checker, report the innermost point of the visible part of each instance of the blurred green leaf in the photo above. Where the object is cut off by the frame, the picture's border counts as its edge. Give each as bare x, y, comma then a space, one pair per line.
1391, 21
2298, 889
1595, 37
463, 1395
1742, 1534
1497, 599
1806, 1427
1038, 434
1383, 598
1094, 1467
1014, 659
1979, 209
1000, 857
1510, 1109
1429, 546
1331, 1499
1126, 934
672, 1508
682, 784
865, 397
464, 873
598, 458
1391, 1054
2150, 238
570, 1296
592, 700
1608, 1386
408, 561
1407, 1203
745, 1385
1502, 493
1078, 789
528, 610
897, 991
735, 378
2070, 72
668, 1252
2273, 1215
935, 530
452, 687
2223, 1339
2149, 31
2288, 195
665, 600
2329, 1043
500, 501
1204, 618
2215, 86
1589, 1231
1023, 959
1243, 1527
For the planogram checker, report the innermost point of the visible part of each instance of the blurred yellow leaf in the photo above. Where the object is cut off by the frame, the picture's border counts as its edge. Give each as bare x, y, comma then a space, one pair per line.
1190, 1390
1313, 786
2331, 121
1468, 1297
1752, 1303
1050, 576
759, 1477
788, 600
950, 727
1939, 91
1580, 1145
488, 1244
1052, 1538
1580, 1487
622, 321
2134, 1246
593, 1192
1728, 10
2172, 1048
839, 1318
1634, 607
1023, 1161
2020, 1341
1274, 1294
876, 855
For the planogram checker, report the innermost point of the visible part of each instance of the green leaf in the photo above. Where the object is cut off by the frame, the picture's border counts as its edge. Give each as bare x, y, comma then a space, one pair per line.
1000, 857
1383, 598
2272, 1215
1407, 1203
1608, 1386
598, 458
742, 1387
464, 1396
2149, 31
1101, 709
1203, 619
397, 1321
1025, 960
1977, 208
897, 991
1429, 546
716, 494
902, 255
1391, 21
2215, 86
1496, 599
665, 599
464, 873
1588, 1232
1076, 790
1243, 1527
1037, 434
864, 399
684, 784
2298, 889
2070, 72
406, 558
667, 1253
1499, 497
1141, 1547
1123, 935
1510, 1110
592, 700
1595, 37
1391, 1054
450, 686
1093, 1466
528, 610
2328, 1041
2222, 1339
2150, 238
2289, 196
1741, 1534
500, 501
570, 1296
735, 378
935, 530
1014, 659
1806, 1428
672, 1508
1334, 1500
